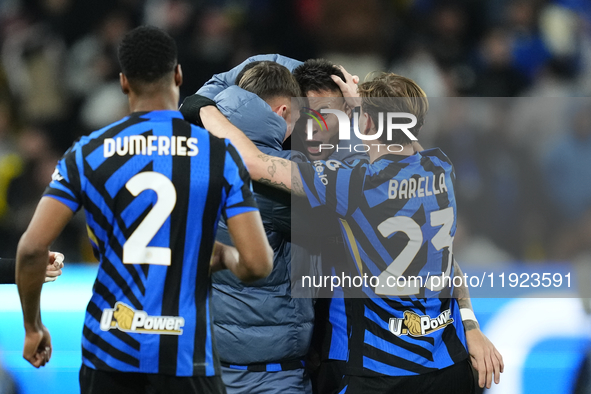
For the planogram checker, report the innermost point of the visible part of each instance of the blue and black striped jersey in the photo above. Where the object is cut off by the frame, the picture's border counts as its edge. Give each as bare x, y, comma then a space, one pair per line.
153, 188
398, 218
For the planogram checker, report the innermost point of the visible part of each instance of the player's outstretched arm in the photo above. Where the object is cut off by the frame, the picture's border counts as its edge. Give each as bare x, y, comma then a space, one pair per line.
274, 171
486, 359
32, 258
252, 258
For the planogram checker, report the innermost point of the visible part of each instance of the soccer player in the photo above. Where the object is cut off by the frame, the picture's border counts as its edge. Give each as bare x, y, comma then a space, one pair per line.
153, 188
388, 349
323, 84
262, 333
52, 271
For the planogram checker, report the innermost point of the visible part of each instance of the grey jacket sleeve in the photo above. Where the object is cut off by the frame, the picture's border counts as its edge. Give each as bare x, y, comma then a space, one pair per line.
221, 81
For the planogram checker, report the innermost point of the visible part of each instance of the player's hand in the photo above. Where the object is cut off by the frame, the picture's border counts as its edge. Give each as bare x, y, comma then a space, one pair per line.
54, 268
223, 256
413, 323
486, 359
217, 258
348, 87
124, 316
37, 349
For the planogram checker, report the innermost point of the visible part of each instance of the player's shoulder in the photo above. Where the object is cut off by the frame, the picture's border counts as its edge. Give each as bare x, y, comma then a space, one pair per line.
436, 154
85, 140
109, 131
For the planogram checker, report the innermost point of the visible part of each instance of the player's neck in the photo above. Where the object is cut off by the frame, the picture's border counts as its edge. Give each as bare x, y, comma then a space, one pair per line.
375, 151
152, 102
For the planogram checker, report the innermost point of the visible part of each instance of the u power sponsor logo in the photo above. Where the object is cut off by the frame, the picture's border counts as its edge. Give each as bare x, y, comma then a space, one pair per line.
125, 318
345, 126
418, 326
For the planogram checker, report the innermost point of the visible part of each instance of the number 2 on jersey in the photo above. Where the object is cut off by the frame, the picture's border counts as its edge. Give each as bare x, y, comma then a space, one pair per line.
443, 238
136, 249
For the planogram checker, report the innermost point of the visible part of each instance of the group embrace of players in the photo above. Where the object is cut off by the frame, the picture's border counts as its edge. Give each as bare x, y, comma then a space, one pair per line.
170, 210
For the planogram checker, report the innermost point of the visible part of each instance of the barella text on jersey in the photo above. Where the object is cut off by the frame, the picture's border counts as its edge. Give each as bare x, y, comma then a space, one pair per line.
417, 187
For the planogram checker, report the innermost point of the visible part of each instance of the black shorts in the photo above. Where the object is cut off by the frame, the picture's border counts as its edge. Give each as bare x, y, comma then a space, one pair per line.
94, 381
456, 379
328, 377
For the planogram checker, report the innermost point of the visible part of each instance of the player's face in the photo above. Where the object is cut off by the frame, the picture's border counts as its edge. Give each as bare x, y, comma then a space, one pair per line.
322, 134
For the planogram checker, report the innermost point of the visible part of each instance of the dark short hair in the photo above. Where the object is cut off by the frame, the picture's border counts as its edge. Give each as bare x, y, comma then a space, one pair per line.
314, 75
146, 54
268, 80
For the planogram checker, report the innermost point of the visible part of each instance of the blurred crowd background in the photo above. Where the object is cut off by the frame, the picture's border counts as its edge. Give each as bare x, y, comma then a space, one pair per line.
523, 165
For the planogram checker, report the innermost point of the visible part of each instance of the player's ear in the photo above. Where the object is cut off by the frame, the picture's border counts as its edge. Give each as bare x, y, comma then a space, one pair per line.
178, 75
124, 83
348, 110
282, 111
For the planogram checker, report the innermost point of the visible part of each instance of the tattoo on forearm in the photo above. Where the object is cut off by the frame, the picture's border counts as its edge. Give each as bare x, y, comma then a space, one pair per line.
462, 295
279, 185
265, 157
296, 184
283, 162
272, 169
470, 325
